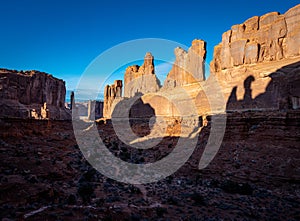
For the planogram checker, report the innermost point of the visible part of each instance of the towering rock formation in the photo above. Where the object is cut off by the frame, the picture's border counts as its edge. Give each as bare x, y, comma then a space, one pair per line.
256, 67
270, 37
257, 63
189, 65
141, 79
112, 94
32, 94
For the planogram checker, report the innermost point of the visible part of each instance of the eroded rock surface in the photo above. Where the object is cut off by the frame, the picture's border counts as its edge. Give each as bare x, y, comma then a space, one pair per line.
257, 64
31, 94
189, 65
270, 37
141, 79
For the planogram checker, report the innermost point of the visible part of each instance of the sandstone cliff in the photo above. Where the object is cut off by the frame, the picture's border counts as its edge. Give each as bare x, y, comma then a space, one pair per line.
32, 94
189, 65
257, 63
270, 37
256, 67
141, 79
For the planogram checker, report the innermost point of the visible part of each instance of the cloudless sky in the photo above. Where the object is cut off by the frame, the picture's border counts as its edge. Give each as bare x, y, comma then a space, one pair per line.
62, 37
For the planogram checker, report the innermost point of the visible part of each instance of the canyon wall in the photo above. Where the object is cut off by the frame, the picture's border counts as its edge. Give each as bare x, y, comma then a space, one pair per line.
32, 94
270, 37
256, 67
141, 79
257, 62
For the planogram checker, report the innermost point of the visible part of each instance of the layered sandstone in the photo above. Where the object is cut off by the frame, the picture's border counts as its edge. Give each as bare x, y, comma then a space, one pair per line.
257, 64
256, 67
188, 67
141, 79
32, 94
112, 94
270, 37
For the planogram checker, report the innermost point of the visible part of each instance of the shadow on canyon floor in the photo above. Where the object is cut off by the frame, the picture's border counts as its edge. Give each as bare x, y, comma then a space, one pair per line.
255, 174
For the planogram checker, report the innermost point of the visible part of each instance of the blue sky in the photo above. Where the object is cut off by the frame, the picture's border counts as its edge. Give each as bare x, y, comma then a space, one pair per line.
63, 37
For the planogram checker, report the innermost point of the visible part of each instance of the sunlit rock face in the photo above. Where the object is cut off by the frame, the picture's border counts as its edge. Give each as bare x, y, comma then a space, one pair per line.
141, 79
112, 94
255, 67
188, 67
32, 94
257, 62
271, 37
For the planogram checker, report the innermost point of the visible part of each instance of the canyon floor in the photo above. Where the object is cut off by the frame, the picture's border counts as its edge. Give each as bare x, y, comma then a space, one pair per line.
254, 176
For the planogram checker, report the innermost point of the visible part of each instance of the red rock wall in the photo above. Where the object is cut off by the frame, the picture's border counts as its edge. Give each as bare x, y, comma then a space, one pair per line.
256, 67
257, 63
141, 79
264, 38
188, 67
23, 93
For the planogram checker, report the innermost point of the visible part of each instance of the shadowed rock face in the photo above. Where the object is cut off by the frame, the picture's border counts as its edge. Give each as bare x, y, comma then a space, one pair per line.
141, 79
270, 37
32, 94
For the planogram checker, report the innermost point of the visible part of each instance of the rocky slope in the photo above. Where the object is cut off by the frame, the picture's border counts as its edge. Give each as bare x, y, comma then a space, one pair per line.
254, 176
